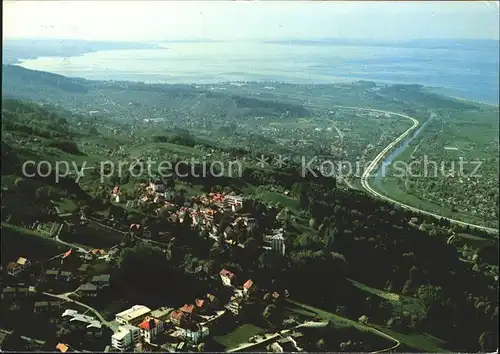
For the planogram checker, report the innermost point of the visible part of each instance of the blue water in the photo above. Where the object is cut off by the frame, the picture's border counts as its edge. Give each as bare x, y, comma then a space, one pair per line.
466, 69
382, 171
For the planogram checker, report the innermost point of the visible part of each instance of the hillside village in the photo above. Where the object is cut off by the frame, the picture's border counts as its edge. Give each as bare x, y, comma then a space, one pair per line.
50, 287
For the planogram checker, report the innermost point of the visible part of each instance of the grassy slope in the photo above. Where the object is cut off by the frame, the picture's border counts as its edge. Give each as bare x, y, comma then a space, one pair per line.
238, 336
421, 342
18, 241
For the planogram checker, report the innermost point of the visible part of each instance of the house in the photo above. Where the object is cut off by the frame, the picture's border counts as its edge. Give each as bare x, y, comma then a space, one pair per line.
158, 198
234, 202
19, 292
65, 276
228, 232
228, 278
194, 333
88, 324
169, 195
211, 302
67, 254
135, 228
162, 314
46, 306
23, 262
235, 305
249, 287
41, 306
179, 318
97, 252
275, 242
83, 268
150, 328
126, 337
132, 315
200, 305
156, 185
22, 292
189, 309
51, 274
62, 348
117, 196
88, 290
14, 269
8, 293
275, 296
102, 281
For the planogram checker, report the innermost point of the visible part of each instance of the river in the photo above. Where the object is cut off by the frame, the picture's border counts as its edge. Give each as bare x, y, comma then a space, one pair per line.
381, 172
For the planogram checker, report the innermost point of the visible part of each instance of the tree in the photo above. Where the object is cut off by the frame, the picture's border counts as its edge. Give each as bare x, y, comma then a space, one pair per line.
320, 344
87, 210
486, 342
313, 224
429, 294
363, 319
270, 313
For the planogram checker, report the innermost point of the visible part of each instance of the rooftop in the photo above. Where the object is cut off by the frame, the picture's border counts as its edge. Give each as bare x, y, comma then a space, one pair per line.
63, 348
22, 261
101, 278
226, 273
161, 312
148, 323
187, 308
122, 333
248, 284
134, 312
88, 287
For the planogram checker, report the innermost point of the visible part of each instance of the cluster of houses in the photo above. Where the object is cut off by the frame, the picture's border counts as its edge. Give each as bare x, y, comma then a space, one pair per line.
187, 325
204, 213
15, 268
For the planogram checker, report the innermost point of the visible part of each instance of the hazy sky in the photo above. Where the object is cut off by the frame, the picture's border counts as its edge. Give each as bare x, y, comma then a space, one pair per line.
157, 20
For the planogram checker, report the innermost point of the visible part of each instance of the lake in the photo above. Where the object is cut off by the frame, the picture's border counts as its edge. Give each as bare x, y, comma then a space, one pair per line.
467, 69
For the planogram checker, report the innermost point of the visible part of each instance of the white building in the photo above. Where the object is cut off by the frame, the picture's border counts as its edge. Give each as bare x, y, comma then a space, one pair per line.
195, 333
275, 242
92, 326
169, 195
157, 186
126, 337
133, 315
150, 328
228, 278
235, 202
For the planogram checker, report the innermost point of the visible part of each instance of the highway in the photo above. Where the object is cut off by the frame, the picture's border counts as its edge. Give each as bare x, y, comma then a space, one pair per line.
380, 156
374, 163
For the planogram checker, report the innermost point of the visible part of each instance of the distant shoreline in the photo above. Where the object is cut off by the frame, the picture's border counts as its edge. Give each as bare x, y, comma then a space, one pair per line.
344, 80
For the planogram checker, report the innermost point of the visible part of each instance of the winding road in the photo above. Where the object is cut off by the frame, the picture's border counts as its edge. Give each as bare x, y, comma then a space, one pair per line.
380, 156
307, 324
110, 324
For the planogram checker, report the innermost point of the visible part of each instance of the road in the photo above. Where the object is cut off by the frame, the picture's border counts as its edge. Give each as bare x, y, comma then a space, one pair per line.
80, 249
353, 323
380, 156
310, 324
110, 324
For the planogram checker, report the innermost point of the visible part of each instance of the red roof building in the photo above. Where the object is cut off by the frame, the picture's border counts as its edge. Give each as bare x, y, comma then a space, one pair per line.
149, 323
248, 284
179, 318
227, 273
67, 254
199, 303
188, 308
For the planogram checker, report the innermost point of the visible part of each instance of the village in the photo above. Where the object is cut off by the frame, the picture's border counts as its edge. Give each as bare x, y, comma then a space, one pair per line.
63, 289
